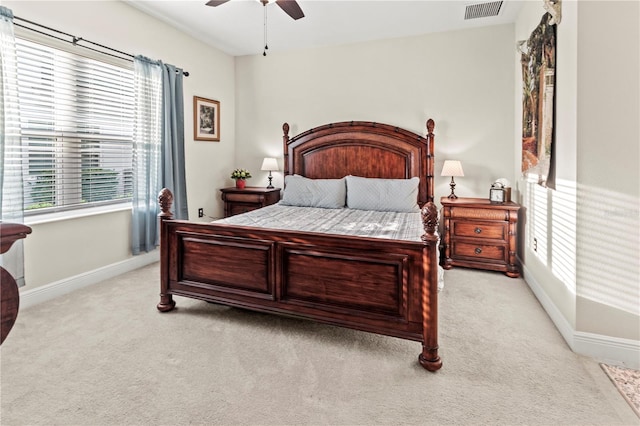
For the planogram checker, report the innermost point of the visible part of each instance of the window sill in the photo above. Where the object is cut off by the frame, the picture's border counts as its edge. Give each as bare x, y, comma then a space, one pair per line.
38, 219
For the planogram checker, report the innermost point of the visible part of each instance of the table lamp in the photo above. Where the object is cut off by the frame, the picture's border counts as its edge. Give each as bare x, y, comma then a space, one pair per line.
270, 164
452, 168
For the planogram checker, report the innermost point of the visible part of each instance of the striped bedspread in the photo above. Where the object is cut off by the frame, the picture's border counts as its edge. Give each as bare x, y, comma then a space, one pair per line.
363, 223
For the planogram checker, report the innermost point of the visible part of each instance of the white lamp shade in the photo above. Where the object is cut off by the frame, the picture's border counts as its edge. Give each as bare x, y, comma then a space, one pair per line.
452, 168
270, 164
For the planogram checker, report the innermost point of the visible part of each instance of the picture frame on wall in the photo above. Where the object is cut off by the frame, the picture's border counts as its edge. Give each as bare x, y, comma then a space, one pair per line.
206, 119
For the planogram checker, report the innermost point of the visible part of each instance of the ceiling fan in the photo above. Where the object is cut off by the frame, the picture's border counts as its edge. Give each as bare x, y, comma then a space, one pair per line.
290, 7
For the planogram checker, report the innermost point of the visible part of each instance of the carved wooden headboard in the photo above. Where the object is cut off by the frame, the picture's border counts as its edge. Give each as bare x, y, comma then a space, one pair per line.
362, 148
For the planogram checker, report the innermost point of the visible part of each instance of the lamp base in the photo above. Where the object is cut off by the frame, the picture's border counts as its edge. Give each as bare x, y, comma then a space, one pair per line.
452, 185
270, 186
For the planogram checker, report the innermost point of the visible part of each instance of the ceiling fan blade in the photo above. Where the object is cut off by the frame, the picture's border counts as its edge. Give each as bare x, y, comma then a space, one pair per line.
291, 8
215, 3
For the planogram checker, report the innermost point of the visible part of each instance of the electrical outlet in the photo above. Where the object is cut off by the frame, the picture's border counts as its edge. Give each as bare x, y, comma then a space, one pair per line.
200, 212
535, 244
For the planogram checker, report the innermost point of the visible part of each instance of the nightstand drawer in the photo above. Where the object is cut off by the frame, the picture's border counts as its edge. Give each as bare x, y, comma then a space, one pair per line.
478, 213
242, 208
243, 197
481, 251
479, 229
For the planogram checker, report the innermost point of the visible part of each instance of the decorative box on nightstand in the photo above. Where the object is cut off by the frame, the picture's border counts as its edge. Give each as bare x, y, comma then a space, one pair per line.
238, 200
480, 234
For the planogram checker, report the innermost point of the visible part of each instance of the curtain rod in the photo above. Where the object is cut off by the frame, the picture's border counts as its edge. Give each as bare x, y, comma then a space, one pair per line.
75, 40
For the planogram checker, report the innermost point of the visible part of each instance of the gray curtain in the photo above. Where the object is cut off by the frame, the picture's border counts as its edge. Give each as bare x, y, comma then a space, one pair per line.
173, 139
158, 149
11, 158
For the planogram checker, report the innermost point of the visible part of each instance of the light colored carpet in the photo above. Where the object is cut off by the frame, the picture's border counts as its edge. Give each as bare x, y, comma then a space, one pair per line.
103, 355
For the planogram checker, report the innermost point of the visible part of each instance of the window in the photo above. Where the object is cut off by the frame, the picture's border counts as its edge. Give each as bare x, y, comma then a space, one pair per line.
76, 119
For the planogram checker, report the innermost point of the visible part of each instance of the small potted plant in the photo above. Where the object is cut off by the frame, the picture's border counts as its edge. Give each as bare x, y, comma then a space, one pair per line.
240, 176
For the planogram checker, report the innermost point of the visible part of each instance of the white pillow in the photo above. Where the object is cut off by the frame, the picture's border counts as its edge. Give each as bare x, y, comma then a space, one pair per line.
304, 192
385, 195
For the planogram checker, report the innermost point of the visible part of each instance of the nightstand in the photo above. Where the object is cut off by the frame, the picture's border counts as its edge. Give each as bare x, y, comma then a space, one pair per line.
480, 234
238, 200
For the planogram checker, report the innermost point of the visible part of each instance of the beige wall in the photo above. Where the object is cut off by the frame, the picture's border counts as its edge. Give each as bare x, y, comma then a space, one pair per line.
589, 263
62, 249
462, 79
608, 168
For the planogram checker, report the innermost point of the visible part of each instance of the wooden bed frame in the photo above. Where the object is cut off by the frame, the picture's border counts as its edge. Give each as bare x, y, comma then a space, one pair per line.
376, 285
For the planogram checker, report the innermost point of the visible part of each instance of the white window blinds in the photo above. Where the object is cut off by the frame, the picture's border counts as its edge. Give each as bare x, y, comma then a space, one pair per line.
76, 119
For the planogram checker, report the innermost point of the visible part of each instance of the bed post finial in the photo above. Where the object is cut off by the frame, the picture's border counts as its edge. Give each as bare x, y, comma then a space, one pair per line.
165, 199
430, 125
430, 221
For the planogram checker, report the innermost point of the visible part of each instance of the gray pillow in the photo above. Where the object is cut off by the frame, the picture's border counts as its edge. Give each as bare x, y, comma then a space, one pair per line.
304, 192
385, 195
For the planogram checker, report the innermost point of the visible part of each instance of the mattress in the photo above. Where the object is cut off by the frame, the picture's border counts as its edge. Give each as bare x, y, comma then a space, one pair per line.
362, 223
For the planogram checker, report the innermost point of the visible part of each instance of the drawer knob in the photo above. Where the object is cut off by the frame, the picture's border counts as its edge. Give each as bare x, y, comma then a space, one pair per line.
478, 250
478, 230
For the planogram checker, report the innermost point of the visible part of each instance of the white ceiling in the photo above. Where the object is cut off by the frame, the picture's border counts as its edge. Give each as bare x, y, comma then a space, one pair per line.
237, 27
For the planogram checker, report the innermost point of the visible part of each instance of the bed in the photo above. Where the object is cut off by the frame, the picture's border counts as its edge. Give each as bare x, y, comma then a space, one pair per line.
387, 286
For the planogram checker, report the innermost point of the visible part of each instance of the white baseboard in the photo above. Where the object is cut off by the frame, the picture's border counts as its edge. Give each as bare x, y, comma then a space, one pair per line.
607, 349
58, 288
561, 323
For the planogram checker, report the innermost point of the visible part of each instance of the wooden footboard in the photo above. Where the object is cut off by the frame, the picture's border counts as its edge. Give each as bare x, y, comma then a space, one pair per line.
381, 286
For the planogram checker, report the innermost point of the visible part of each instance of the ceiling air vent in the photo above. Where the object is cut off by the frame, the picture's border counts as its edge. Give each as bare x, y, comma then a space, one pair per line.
482, 10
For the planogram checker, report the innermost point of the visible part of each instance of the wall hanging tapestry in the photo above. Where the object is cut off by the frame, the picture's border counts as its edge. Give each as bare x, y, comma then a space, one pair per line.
538, 59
